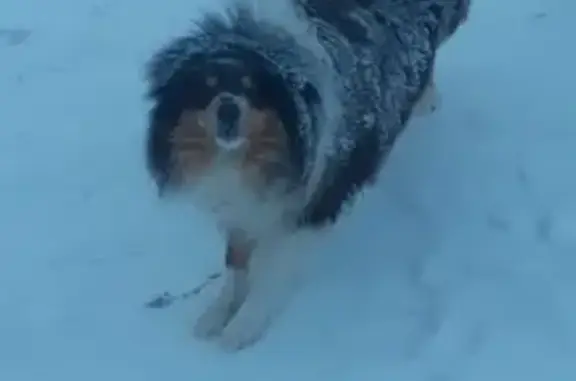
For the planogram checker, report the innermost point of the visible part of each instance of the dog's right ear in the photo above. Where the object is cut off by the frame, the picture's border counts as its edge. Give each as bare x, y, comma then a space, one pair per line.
164, 63
167, 89
160, 68
167, 64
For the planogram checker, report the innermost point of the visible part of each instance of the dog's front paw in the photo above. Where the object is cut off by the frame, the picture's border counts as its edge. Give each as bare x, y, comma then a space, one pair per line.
271, 281
211, 323
246, 328
214, 319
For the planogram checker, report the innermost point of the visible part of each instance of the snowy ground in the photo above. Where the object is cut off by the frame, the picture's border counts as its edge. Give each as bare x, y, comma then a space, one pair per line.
458, 267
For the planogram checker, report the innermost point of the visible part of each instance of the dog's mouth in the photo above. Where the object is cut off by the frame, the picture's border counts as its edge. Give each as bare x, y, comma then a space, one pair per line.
229, 113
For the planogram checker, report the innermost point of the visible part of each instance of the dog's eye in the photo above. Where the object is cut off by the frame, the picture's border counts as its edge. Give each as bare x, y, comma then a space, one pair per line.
246, 82
212, 81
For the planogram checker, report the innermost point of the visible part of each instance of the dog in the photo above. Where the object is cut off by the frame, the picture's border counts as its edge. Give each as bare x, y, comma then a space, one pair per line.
273, 119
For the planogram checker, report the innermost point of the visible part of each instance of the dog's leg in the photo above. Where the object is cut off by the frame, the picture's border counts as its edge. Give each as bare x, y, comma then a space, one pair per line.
274, 274
233, 292
429, 102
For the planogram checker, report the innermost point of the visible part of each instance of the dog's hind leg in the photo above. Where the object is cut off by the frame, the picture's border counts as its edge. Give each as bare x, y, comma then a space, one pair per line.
233, 292
429, 102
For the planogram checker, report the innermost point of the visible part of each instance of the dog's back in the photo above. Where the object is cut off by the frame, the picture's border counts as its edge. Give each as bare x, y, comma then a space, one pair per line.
347, 15
384, 51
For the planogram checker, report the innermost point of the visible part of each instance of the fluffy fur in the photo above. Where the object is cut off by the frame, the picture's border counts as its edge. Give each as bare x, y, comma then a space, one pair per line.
273, 122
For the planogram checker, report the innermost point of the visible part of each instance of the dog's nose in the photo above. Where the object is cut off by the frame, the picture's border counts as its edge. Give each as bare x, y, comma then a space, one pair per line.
228, 115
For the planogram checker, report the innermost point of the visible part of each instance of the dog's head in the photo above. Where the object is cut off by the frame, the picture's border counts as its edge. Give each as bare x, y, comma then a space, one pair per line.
226, 108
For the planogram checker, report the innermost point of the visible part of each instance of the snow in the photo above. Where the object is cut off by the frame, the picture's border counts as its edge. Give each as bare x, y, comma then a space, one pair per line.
458, 266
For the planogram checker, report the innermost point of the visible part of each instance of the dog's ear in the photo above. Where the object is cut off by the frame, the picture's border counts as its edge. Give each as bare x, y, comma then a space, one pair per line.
168, 89
165, 67
159, 68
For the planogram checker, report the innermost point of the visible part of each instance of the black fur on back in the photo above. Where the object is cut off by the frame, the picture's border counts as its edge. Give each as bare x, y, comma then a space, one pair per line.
393, 44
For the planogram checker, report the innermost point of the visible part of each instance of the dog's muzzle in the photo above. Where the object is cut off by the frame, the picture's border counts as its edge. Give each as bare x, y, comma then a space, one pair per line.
228, 116
229, 123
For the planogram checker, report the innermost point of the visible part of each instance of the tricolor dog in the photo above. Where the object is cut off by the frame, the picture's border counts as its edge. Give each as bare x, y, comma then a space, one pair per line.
273, 116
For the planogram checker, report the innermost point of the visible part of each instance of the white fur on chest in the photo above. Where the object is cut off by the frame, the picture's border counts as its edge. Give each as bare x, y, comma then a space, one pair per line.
237, 201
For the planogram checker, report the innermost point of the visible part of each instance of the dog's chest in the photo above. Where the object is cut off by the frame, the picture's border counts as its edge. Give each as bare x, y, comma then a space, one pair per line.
239, 199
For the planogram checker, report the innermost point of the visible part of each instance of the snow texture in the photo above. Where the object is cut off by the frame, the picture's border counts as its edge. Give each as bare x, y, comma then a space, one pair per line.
458, 266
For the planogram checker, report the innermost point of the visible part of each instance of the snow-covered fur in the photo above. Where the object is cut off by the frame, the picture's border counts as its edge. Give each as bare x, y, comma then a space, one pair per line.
338, 78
